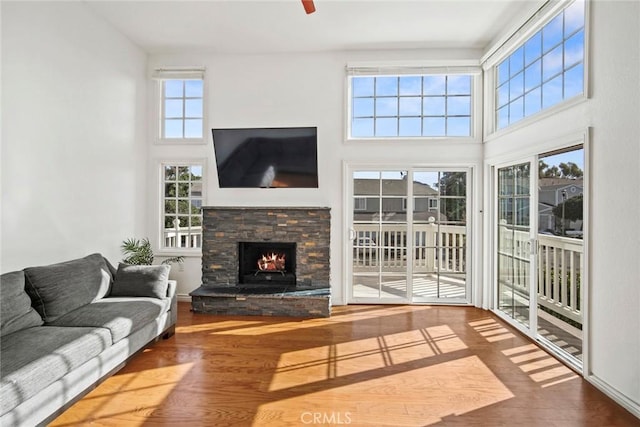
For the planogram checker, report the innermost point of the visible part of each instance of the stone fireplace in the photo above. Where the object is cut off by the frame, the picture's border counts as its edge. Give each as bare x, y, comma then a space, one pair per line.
265, 261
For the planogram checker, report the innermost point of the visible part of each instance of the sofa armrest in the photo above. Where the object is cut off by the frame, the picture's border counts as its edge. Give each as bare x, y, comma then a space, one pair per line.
171, 289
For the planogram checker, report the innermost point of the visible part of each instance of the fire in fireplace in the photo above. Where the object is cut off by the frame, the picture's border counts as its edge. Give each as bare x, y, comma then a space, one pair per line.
267, 263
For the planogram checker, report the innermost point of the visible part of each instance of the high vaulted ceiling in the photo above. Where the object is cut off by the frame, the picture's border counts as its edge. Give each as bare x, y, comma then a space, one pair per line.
272, 26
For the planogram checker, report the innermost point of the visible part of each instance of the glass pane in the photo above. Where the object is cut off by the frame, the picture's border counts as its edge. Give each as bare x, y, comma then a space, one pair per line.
574, 81
183, 190
503, 71
170, 206
574, 49
503, 117
193, 88
453, 184
173, 108
516, 61
386, 107
458, 126
503, 94
410, 127
183, 207
574, 17
362, 107
453, 210
516, 86
410, 85
387, 127
552, 33
169, 221
433, 126
522, 179
458, 85
552, 92
193, 128
173, 88
196, 189
521, 211
532, 102
183, 173
410, 106
533, 76
196, 172
434, 106
169, 173
362, 86
434, 85
196, 221
394, 183
386, 86
552, 63
459, 106
193, 108
516, 110
533, 48
173, 128
170, 190
362, 128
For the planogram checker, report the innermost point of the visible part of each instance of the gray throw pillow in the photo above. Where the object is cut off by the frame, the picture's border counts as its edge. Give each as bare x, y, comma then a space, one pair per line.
60, 288
16, 312
141, 281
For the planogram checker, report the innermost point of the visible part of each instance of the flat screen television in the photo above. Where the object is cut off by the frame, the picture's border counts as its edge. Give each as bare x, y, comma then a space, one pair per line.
266, 157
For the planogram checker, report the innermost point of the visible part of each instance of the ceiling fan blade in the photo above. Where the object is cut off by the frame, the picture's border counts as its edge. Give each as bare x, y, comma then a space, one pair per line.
308, 6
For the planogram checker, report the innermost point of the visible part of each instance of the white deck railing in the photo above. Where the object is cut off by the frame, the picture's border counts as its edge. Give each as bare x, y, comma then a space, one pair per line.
183, 237
443, 249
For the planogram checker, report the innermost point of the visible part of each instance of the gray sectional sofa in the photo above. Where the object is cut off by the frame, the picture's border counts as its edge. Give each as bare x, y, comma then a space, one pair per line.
66, 327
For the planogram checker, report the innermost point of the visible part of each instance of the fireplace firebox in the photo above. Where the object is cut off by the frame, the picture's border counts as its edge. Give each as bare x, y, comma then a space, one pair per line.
267, 263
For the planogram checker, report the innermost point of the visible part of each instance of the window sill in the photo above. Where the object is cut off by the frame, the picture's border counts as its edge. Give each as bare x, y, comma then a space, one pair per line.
187, 253
181, 141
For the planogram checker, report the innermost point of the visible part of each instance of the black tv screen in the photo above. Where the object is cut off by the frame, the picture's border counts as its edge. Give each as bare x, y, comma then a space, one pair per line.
266, 157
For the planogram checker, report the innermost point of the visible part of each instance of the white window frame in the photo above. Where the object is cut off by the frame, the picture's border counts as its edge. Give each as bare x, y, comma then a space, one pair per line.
450, 68
160, 76
515, 39
161, 165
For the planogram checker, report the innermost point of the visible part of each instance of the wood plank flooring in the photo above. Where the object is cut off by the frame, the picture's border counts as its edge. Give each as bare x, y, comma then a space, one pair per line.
365, 366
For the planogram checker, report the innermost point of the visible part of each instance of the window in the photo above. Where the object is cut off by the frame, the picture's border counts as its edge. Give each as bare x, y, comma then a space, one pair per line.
360, 204
182, 109
545, 70
425, 105
182, 205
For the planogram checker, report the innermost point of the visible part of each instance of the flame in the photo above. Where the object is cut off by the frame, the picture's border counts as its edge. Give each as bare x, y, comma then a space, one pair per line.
271, 262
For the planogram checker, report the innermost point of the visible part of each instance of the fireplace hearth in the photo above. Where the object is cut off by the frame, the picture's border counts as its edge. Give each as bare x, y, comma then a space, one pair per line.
265, 261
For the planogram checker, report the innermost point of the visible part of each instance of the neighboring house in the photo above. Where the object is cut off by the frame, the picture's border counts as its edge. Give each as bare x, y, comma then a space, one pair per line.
394, 200
550, 195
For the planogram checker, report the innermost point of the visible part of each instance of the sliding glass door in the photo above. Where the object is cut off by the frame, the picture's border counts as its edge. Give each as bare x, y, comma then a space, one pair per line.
539, 248
409, 236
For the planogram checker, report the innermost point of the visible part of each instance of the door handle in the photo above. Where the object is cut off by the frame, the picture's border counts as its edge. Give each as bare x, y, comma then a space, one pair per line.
352, 234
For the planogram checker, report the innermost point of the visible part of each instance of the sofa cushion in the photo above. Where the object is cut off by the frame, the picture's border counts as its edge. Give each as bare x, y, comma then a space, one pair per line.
141, 281
16, 312
60, 288
121, 316
34, 358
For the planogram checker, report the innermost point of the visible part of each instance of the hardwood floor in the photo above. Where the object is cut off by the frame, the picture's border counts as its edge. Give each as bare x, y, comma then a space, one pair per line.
366, 365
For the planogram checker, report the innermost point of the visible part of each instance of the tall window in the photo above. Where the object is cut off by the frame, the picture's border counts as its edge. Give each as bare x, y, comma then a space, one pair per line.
182, 205
544, 71
411, 106
182, 109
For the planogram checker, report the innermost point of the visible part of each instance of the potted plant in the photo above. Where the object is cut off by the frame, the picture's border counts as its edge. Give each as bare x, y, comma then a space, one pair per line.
139, 252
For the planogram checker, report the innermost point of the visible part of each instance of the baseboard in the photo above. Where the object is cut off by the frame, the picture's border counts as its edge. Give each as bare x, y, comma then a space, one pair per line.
621, 399
184, 297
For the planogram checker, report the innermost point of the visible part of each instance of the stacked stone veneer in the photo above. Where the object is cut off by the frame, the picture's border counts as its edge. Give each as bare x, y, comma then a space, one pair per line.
224, 227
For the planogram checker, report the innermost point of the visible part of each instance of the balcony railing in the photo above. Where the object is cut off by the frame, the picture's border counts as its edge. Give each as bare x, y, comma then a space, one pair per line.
183, 237
443, 249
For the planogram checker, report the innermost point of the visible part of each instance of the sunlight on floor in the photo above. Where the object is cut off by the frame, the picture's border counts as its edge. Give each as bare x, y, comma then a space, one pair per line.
541, 366
348, 358
436, 392
491, 330
140, 393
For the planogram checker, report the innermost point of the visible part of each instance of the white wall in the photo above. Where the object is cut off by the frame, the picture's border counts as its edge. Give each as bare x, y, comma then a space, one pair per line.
296, 90
73, 137
612, 112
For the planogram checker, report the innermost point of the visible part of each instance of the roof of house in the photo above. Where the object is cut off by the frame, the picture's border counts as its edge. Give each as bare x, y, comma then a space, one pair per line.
390, 187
